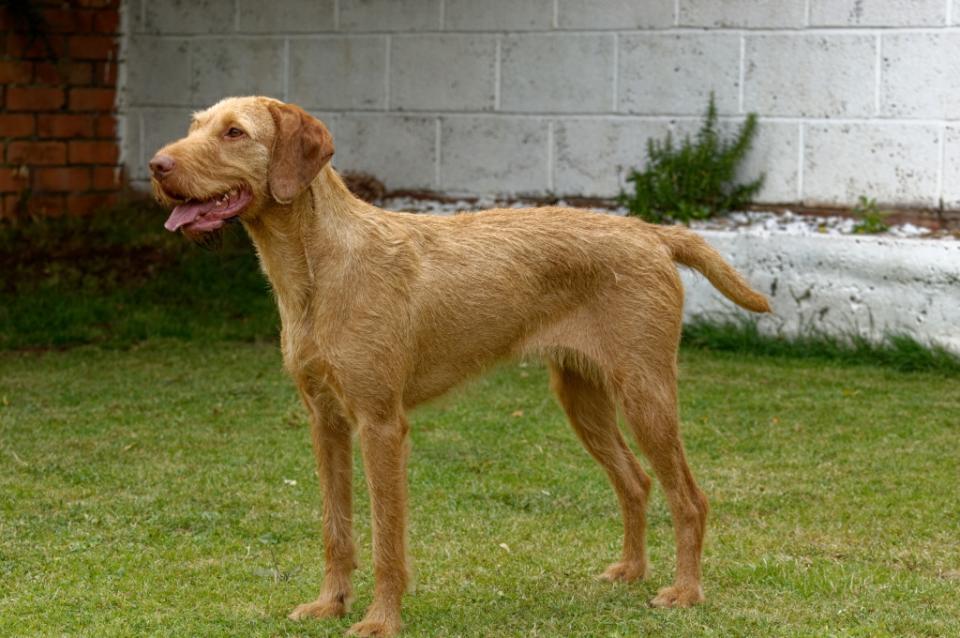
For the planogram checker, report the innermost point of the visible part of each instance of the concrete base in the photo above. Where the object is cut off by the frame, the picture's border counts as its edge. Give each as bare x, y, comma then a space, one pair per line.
867, 286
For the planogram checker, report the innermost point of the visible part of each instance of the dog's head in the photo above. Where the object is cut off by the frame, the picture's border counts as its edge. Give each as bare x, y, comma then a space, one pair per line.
240, 156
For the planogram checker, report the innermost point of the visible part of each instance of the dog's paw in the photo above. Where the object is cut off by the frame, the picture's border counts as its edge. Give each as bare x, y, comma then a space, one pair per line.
625, 571
678, 596
320, 608
375, 627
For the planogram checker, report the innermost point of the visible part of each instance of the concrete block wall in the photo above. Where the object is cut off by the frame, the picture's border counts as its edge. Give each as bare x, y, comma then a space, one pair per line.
855, 97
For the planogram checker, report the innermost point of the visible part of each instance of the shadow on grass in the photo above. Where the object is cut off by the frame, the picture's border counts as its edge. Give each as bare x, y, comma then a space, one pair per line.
117, 278
900, 352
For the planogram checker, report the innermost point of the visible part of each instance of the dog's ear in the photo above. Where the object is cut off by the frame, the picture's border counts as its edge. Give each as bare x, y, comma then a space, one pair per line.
301, 147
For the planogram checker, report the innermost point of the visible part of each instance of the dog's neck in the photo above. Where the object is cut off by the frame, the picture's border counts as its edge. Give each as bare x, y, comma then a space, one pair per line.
326, 214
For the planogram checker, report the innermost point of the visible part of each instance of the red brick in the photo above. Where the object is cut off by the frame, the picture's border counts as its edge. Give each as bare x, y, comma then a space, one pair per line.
18, 125
23, 45
89, 202
105, 73
106, 21
14, 72
45, 205
12, 180
65, 125
106, 126
62, 179
84, 152
93, 47
11, 206
73, 73
34, 98
40, 153
92, 99
99, 4
67, 21
106, 178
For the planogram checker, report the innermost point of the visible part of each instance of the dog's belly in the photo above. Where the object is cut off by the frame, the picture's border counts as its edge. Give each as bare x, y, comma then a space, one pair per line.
571, 337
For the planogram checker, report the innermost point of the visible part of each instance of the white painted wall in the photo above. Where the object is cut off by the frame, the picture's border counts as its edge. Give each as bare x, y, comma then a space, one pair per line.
841, 285
856, 97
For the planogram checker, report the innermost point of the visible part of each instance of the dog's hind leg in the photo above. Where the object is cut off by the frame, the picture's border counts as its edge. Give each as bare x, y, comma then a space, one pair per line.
649, 398
332, 444
593, 415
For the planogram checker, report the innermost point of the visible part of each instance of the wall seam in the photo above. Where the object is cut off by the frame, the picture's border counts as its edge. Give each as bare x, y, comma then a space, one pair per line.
437, 150
743, 72
877, 79
800, 159
941, 163
386, 73
550, 185
496, 73
616, 73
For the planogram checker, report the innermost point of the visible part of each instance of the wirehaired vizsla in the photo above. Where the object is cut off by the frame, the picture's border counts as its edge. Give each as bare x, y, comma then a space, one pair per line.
382, 311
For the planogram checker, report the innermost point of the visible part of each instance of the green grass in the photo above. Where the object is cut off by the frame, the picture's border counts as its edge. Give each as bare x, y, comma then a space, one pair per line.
147, 492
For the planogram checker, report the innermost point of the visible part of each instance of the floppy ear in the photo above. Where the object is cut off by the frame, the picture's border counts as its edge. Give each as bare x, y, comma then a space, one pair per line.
301, 147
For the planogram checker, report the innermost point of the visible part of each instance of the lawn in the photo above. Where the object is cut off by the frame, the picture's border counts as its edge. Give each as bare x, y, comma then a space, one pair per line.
168, 489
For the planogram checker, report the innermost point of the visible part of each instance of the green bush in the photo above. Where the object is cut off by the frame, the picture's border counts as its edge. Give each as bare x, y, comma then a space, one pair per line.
696, 180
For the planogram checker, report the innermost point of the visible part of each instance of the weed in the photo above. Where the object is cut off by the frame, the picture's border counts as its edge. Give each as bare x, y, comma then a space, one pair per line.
696, 180
871, 218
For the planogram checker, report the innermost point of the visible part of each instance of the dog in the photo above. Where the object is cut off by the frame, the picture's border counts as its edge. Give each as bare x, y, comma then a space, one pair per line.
382, 311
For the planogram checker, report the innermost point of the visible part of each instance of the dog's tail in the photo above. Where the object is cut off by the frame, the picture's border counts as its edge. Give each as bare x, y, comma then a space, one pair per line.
689, 249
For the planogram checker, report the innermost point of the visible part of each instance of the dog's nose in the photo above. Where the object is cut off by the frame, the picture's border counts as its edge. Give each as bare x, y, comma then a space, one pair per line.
161, 166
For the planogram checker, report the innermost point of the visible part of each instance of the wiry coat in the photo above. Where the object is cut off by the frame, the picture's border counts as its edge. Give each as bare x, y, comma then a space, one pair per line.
382, 311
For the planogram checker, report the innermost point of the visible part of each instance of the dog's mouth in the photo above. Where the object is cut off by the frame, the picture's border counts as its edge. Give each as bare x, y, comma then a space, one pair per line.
196, 216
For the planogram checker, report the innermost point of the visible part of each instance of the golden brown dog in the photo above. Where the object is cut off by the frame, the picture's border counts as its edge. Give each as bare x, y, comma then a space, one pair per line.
382, 311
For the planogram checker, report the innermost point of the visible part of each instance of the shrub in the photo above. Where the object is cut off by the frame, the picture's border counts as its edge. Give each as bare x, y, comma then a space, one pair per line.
696, 180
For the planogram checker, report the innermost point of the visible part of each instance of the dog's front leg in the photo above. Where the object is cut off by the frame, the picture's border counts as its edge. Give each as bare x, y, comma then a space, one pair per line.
332, 444
384, 443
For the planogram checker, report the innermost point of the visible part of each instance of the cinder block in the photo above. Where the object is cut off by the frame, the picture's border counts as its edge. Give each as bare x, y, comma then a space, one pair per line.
399, 150
157, 71
593, 157
557, 72
614, 14
131, 144
506, 155
741, 13
674, 74
188, 16
223, 68
338, 72
160, 127
951, 167
306, 16
774, 154
877, 13
497, 15
443, 72
810, 75
390, 15
892, 163
920, 72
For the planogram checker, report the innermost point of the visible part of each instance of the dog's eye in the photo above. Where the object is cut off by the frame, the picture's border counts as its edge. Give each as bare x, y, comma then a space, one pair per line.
233, 133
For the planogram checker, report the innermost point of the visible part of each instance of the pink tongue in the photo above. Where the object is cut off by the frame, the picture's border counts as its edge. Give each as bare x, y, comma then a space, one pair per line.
186, 213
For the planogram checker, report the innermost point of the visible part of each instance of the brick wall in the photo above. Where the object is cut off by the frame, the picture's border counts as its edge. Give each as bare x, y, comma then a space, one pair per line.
855, 97
58, 126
